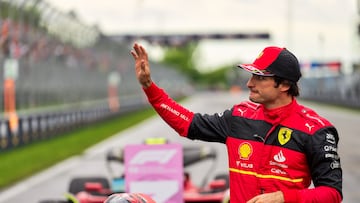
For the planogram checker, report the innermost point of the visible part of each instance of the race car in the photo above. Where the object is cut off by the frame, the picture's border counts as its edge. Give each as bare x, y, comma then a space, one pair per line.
98, 189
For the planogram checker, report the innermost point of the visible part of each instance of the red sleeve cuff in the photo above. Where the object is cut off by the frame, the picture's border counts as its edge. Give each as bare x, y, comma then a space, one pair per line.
152, 91
290, 196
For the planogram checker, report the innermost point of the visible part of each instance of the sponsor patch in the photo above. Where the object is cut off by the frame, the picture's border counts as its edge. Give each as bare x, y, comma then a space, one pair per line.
279, 157
245, 150
335, 165
284, 135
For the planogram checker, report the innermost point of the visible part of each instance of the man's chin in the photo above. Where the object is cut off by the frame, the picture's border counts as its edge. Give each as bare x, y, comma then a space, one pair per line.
254, 100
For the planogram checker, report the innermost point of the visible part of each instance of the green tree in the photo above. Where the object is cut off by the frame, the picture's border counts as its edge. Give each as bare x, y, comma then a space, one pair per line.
181, 57
217, 79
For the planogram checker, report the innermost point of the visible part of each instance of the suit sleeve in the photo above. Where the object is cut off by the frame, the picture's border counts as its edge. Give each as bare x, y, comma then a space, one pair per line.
213, 128
175, 115
318, 194
326, 172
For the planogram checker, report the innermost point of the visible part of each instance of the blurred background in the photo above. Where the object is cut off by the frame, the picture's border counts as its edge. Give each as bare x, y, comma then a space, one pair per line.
67, 63
71, 52
64, 51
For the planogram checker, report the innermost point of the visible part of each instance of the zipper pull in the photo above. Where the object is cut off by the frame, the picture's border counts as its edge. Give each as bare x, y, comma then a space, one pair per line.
259, 137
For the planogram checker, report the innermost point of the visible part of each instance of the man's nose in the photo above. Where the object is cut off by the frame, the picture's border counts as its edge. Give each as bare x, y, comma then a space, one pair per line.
250, 82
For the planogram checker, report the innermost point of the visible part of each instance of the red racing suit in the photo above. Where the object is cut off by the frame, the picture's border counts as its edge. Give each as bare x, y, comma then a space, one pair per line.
283, 149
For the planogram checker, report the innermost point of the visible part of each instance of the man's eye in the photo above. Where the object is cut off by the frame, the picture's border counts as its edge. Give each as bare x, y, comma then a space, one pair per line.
259, 77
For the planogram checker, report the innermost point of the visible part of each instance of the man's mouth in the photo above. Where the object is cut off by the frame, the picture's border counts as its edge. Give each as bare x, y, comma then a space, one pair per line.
253, 91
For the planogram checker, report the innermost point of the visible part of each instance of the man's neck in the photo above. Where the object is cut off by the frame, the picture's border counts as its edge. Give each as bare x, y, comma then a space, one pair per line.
279, 103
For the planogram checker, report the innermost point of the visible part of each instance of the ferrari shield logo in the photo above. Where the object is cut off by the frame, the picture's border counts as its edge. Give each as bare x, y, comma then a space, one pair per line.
284, 135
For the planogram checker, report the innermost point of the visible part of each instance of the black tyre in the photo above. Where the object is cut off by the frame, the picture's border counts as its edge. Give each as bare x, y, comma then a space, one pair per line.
78, 184
224, 177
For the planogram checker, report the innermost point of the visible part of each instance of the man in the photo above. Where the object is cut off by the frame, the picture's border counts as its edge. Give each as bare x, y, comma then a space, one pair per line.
276, 146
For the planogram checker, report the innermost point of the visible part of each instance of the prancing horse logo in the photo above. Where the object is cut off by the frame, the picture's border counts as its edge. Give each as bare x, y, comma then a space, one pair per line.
284, 135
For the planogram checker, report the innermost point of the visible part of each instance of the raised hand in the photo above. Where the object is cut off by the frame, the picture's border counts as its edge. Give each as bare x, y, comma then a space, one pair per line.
142, 67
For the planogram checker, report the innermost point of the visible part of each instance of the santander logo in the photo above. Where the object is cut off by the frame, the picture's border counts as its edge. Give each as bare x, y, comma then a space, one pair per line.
279, 157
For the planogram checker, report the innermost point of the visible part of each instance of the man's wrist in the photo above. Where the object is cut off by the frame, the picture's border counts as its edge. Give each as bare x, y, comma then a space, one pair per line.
147, 84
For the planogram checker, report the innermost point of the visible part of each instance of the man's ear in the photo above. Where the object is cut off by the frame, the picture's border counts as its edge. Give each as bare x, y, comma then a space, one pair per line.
284, 86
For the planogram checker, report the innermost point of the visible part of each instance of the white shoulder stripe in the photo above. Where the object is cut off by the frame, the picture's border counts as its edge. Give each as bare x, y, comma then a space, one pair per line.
315, 118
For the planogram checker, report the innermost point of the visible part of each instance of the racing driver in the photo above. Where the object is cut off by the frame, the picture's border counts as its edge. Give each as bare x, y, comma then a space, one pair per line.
276, 147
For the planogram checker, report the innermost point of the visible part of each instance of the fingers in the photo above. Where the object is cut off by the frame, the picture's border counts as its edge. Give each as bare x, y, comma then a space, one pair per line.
135, 56
143, 52
137, 48
140, 55
139, 52
134, 52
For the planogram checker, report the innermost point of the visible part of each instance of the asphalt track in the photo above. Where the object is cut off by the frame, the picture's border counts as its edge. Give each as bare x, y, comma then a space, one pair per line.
52, 183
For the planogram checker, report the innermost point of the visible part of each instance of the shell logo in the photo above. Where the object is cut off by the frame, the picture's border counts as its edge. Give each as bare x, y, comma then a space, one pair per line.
245, 150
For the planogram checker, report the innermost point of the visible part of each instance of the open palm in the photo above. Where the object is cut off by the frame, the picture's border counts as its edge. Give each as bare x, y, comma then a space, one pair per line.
142, 68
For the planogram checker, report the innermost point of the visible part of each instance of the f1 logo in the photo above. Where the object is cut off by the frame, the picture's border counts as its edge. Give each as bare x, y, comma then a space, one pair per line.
155, 170
160, 156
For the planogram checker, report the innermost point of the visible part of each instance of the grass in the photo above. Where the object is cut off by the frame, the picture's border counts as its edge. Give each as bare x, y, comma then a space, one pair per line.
23, 162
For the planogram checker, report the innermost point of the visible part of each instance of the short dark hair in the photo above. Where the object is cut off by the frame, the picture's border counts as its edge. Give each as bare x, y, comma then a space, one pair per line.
293, 86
